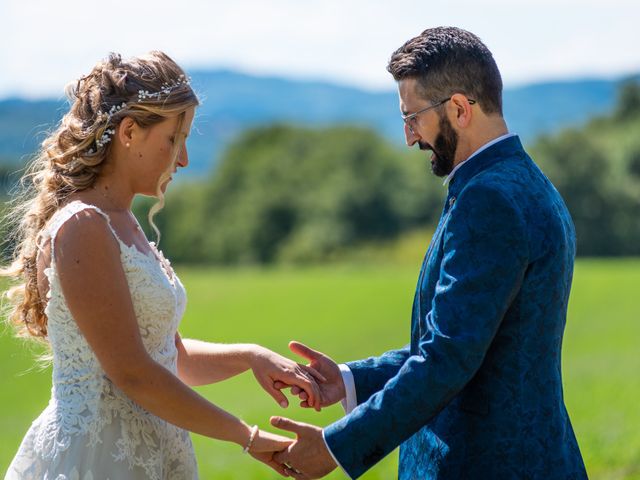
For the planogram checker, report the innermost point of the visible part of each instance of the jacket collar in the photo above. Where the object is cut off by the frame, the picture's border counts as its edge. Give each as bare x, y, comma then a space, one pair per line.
483, 160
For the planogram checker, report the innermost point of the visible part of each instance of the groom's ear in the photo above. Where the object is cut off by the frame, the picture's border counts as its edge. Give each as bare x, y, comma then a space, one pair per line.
461, 110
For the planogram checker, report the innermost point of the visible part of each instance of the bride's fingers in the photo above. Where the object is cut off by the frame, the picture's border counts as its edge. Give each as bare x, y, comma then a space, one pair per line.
295, 390
316, 374
310, 387
277, 395
296, 378
282, 386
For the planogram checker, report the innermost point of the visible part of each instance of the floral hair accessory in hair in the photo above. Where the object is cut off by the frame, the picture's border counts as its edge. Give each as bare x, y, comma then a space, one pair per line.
106, 135
166, 89
101, 116
105, 138
112, 111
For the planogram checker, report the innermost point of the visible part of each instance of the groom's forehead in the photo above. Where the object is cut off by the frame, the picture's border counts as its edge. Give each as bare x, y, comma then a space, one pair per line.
408, 94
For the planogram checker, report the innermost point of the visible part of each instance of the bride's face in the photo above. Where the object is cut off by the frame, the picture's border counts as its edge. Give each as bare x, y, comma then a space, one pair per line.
153, 153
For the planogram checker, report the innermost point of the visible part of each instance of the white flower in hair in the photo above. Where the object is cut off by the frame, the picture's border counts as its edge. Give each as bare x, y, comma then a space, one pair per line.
165, 89
106, 117
105, 138
74, 163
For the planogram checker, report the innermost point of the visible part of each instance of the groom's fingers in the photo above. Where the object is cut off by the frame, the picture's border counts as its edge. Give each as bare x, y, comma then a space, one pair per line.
282, 457
281, 468
278, 467
296, 474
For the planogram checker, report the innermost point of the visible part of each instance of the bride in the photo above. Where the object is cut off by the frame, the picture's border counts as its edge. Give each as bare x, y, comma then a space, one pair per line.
109, 304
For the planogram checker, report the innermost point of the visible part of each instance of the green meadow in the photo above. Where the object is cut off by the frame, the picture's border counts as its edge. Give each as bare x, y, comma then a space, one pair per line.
353, 311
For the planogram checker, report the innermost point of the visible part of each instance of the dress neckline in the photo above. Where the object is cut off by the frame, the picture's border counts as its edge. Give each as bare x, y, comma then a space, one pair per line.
154, 253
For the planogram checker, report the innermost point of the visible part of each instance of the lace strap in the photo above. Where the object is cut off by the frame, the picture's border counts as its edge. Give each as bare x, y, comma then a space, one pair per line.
60, 217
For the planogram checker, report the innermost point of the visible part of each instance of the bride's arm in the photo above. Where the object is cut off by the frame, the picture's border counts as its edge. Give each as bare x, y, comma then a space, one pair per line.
96, 291
202, 363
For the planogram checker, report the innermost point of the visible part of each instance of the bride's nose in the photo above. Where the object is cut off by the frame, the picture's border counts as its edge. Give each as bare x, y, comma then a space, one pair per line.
183, 157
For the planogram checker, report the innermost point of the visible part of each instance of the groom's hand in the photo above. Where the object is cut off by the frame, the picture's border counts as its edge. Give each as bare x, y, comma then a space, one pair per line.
308, 457
275, 372
331, 390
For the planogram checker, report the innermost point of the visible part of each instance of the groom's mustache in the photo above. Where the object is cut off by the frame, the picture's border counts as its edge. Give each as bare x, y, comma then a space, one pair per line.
425, 146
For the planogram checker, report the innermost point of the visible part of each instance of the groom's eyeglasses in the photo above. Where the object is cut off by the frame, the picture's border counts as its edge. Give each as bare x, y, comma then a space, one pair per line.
411, 119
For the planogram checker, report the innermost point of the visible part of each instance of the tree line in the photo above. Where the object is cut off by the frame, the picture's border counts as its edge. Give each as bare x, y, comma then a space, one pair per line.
284, 193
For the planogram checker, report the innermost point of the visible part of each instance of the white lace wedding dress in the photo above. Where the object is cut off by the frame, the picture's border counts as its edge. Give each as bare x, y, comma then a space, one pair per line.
91, 430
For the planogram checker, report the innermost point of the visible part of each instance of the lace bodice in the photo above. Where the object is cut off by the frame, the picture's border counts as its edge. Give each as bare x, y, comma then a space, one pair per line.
83, 400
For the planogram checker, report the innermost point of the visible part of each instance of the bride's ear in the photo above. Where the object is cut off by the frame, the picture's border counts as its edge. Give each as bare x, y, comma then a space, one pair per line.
127, 131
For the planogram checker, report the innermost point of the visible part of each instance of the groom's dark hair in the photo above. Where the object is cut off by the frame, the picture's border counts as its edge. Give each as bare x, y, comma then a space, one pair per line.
448, 60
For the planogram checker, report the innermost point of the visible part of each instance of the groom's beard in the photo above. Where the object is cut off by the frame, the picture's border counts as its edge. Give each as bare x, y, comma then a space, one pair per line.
444, 148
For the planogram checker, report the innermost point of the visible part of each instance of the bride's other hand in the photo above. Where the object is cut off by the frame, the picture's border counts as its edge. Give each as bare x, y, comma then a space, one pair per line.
265, 445
272, 370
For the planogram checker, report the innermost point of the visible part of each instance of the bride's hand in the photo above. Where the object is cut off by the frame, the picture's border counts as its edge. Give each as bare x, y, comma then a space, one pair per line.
265, 445
272, 370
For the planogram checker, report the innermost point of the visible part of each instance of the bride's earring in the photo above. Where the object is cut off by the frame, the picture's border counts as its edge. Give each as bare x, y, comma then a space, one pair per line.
127, 144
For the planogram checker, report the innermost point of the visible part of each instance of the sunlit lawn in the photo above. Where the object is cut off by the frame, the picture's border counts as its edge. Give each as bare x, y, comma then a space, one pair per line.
354, 311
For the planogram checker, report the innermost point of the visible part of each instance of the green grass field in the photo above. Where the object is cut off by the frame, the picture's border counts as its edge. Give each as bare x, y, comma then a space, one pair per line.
354, 311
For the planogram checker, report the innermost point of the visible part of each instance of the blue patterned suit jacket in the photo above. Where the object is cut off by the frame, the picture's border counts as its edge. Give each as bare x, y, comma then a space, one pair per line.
478, 392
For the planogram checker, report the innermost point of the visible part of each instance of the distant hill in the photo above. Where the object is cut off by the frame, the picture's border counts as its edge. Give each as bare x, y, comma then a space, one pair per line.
234, 101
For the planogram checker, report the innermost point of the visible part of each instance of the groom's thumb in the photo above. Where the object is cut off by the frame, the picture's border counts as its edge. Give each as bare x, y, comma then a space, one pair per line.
302, 350
286, 424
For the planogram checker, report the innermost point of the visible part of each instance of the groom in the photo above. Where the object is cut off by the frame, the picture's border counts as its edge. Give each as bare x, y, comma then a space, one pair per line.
478, 392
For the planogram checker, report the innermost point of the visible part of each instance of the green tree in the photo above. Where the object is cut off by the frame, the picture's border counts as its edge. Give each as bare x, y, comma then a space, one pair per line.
596, 168
628, 105
282, 193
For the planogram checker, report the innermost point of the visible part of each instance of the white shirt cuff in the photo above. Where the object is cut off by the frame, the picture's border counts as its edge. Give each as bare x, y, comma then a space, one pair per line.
350, 401
332, 455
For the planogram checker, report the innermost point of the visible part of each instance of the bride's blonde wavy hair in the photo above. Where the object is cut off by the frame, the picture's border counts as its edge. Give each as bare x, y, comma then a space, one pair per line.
72, 157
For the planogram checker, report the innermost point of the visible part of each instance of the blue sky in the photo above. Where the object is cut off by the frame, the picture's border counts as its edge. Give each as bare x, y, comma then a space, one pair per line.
48, 43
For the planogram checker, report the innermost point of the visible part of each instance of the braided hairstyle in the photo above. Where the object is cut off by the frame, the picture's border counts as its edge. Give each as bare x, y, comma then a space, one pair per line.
73, 156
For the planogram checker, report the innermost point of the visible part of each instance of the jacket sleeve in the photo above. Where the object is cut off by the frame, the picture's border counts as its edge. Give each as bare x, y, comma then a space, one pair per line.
371, 374
485, 254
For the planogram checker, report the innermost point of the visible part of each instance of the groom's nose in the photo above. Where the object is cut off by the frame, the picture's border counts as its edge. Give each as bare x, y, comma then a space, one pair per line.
410, 137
